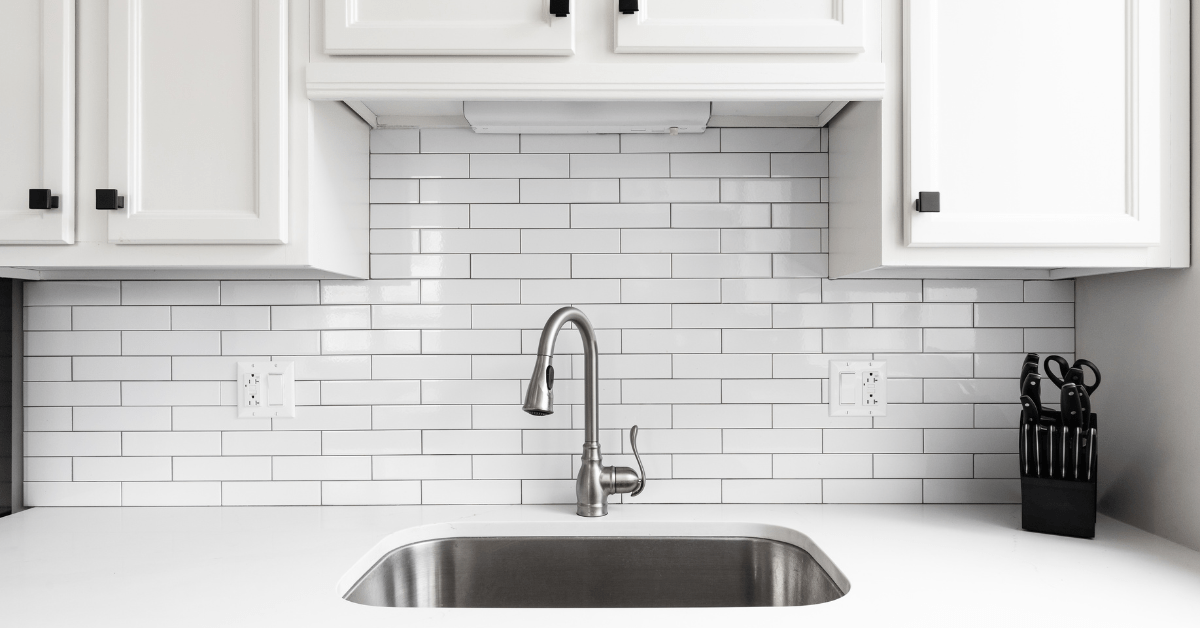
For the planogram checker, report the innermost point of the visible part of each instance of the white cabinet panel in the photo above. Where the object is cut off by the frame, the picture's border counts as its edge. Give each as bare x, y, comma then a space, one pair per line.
37, 119
720, 26
198, 121
447, 27
1039, 123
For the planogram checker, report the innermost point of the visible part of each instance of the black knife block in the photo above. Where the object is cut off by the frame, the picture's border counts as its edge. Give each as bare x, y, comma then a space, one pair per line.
1062, 507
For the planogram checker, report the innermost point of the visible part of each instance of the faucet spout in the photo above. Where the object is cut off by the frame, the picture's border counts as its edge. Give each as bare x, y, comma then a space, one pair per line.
595, 482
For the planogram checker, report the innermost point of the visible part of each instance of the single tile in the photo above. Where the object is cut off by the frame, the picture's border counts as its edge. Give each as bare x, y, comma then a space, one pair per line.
620, 215
615, 166
370, 341
771, 391
420, 266
670, 241
570, 191
395, 140
708, 141
720, 165
977, 441
875, 441
72, 394
670, 290
335, 291
771, 190
170, 292
1025, 315
771, 340
981, 491
570, 143
402, 216
527, 166
721, 315
923, 315
973, 290
72, 343
822, 466
72, 293
872, 290
471, 291
570, 291
967, 340
1055, 291
721, 265
395, 191
872, 340
529, 216
467, 141
671, 191
734, 140
626, 266
818, 315
469, 191
800, 215
377, 392
570, 241
397, 166
873, 491
720, 215
800, 264
395, 241
770, 290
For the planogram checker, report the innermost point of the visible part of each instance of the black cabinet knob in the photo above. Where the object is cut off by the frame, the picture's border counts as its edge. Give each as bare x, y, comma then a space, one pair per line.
628, 7
108, 199
560, 8
929, 201
42, 199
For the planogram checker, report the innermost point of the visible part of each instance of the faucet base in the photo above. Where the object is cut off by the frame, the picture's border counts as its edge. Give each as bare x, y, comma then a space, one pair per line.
590, 510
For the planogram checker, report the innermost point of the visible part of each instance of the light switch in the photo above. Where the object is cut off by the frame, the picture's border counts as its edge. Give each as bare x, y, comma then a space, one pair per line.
266, 389
857, 388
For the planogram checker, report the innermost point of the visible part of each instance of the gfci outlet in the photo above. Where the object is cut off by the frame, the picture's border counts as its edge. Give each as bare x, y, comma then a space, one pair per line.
266, 389
857, 388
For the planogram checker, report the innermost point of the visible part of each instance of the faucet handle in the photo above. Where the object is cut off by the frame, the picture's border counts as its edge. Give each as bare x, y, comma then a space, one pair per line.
641, 470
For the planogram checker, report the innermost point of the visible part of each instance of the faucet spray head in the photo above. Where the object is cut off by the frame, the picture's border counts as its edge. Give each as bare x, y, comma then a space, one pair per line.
539, 399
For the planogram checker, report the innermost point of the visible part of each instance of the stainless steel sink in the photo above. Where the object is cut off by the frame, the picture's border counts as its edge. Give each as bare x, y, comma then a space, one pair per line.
595, 572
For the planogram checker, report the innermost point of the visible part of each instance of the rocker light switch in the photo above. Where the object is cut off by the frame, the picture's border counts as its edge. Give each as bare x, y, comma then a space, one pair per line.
266, 389
857, 388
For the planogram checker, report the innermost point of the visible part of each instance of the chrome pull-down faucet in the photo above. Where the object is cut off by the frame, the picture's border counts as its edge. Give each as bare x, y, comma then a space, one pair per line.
595, 481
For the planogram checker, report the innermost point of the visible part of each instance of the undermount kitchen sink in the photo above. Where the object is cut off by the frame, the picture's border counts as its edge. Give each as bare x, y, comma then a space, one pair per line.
596, 572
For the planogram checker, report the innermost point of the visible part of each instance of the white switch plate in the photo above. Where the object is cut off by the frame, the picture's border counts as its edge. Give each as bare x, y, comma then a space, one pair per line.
266, 389
857, 388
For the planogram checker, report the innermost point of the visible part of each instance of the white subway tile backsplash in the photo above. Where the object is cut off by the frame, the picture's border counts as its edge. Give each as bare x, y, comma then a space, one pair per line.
373, 493
69, 343
541, 216
701, 260
395, 141
771, 290
633, 266
720, 215
400, 166
771, 140
671, 191
370, 341
276, 493
404, 216
51, 318
124, 317
270, 292
720, 165
800, 215
670, 241
571, 241
771, 191
721, 265
670, 290
620, 215
395, 241
378, 392
72, 293
931, 364
469, 191
973, 290
467, 141
615, 166
872, 290
818, 465
570, 191
571, 143
707, 142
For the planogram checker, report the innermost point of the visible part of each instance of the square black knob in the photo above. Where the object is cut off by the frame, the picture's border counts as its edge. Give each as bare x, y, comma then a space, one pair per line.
560, 8
108, 199
628, 7
929, 201
42, 199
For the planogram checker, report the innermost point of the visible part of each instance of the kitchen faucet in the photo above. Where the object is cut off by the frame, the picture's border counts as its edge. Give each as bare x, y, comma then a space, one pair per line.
596, 481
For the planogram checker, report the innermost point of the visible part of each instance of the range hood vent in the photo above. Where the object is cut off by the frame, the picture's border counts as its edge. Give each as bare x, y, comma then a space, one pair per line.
587, 117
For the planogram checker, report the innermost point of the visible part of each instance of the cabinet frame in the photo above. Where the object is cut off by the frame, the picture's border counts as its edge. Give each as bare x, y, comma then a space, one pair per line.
138, 224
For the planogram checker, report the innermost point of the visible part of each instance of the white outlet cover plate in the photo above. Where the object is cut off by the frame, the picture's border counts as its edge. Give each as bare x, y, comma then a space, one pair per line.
266, 389
849, 390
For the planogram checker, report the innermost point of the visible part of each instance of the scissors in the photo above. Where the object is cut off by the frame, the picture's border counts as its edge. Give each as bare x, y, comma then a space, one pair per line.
1071, 374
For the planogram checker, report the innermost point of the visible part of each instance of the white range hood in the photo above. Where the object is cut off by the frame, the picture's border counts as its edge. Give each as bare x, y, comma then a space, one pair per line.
587, 117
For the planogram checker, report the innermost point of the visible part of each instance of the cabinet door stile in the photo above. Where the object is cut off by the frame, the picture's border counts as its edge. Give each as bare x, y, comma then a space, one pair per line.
37, 66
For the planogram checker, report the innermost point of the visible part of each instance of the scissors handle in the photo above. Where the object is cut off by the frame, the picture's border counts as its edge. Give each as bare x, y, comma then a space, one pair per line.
1064, 367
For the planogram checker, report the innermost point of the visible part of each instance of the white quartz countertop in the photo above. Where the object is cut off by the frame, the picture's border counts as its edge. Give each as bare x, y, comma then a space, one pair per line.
279, 566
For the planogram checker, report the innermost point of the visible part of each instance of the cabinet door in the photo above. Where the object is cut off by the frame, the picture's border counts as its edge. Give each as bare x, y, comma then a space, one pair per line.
447, 27
1040, 123
198, 121
721, 26
37, 119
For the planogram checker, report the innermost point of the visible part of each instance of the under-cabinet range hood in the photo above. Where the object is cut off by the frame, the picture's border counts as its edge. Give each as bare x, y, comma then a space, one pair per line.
587, 117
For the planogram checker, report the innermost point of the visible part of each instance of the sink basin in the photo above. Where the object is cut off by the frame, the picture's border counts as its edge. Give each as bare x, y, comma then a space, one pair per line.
596, 572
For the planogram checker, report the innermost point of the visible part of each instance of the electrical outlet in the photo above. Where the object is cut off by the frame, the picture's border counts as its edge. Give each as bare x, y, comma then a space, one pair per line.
266, 389
857, 388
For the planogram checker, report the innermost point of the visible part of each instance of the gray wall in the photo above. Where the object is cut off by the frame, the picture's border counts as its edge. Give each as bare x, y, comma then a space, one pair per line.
1140, 328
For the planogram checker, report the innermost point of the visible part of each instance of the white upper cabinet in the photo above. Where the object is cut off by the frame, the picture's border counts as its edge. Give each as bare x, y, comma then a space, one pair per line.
37, 119
1038, 123
721, 26
198, 121
447, 27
